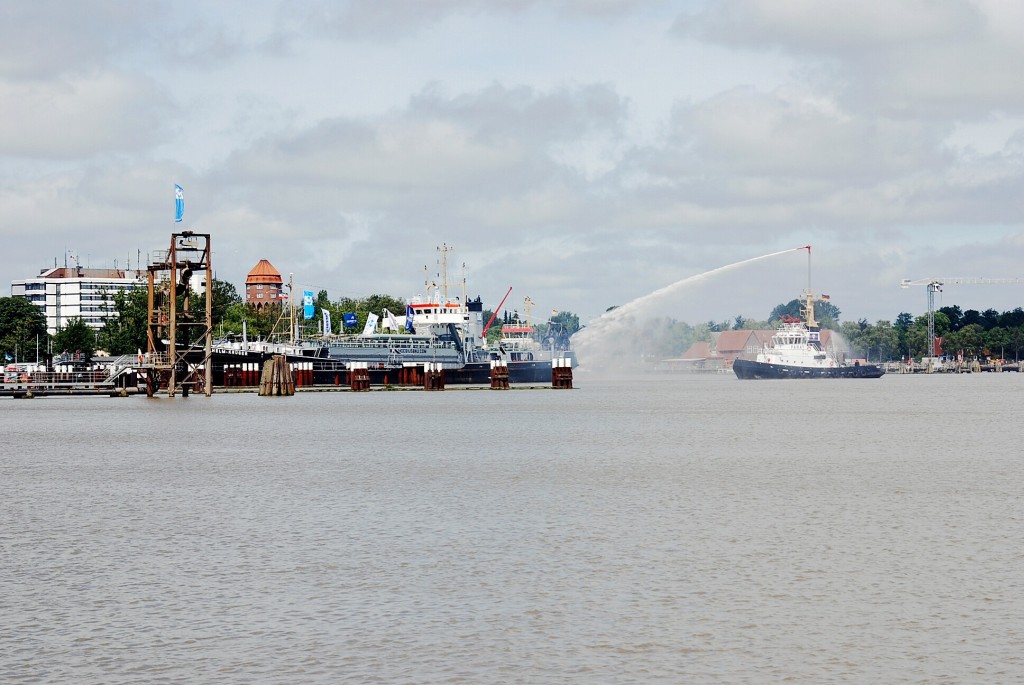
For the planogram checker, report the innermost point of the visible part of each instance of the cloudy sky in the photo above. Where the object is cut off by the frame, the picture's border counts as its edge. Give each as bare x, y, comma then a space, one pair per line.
583, 152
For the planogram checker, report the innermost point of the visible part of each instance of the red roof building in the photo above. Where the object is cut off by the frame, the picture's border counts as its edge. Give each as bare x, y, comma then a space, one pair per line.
263, 285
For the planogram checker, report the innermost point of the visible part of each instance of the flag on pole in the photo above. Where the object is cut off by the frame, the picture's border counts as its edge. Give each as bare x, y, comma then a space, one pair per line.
408, 318
179, 203
307, 304
349, 319
327, 321
371, 324
392, 321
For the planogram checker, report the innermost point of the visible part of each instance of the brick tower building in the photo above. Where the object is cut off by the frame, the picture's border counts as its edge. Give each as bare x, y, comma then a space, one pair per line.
263, 285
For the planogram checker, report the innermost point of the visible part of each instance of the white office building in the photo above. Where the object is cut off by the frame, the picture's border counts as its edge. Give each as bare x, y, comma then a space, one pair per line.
69, 292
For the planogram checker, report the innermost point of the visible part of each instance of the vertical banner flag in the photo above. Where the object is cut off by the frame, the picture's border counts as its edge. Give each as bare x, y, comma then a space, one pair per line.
327, 321
371, 324
307, 304
179, 203
349, 319
392, 321
408, 318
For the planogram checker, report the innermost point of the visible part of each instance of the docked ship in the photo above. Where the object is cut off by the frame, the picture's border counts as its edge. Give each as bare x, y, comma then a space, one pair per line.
796, 351
446, 329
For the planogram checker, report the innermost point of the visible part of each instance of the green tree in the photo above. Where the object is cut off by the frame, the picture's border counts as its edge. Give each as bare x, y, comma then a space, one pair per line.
126, 332
1017, 342
997, 341
569, 322
917, 336
826, 313
969, 340
955, 315
76, 338
1012, 319
880, 341
789, 310
902, 324
22, 327
224, 295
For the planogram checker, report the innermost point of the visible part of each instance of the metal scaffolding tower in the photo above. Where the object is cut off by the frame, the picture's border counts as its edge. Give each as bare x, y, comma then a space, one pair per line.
175, 331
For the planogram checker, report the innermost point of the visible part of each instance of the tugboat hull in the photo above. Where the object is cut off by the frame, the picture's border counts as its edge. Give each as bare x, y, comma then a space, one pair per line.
749, 369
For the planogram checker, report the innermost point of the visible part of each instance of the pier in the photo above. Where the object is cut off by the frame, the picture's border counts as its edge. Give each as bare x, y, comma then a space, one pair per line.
148, 374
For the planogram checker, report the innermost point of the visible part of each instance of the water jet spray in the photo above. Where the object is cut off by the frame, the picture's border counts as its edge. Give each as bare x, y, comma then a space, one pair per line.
592, 343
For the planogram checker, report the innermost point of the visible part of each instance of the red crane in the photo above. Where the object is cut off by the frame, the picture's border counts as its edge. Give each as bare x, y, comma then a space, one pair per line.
491, 320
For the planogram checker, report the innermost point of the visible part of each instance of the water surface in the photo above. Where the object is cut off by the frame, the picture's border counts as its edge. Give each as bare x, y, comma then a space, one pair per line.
652, 530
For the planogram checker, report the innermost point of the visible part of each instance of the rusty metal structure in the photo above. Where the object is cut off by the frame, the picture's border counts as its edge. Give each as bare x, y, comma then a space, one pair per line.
176, 331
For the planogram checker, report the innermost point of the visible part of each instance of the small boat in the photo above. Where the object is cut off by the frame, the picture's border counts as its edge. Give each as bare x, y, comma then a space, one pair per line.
796, 351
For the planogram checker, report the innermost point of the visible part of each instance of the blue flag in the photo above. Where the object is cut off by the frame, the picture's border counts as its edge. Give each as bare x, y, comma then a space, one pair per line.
307, 304
408, 318
179, 203
349, 319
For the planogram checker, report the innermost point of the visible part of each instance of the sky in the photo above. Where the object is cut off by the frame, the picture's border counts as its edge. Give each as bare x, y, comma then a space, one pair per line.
583, 153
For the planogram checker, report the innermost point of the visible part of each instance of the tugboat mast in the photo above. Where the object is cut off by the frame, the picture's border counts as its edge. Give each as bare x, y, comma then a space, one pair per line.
808, 305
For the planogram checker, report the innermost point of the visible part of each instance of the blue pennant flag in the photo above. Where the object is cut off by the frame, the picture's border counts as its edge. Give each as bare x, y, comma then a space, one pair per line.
408, 318
179, 203
307, 304
349, 319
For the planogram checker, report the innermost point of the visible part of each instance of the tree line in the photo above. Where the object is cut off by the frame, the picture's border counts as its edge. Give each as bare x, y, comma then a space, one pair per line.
970, 333
974, 335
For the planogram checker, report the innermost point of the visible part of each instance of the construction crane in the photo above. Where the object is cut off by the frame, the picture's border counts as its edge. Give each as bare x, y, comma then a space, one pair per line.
935, 286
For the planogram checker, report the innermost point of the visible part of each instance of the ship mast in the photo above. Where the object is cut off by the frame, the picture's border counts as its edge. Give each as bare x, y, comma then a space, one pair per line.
465, 297
444, 250
808, 304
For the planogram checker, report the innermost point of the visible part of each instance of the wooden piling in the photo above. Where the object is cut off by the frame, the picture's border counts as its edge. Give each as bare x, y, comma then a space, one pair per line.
277, 378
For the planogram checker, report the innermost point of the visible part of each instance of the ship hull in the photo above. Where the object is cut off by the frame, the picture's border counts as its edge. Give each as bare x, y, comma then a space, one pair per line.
328, 371
748, 369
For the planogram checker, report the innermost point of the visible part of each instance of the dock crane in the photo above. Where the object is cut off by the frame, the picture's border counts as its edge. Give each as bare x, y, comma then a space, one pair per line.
935, 286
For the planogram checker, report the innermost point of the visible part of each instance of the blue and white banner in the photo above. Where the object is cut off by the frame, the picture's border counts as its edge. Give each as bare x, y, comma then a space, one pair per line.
179, 203
349, 319
371, 324
327, 321
307, 304
408, 318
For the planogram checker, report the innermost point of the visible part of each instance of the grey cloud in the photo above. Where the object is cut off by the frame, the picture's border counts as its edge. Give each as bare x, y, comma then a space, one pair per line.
45, 38
82, 116
396, 18
908, 58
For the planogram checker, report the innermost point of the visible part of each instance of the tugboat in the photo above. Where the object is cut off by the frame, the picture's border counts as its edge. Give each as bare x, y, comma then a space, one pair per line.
795, 351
